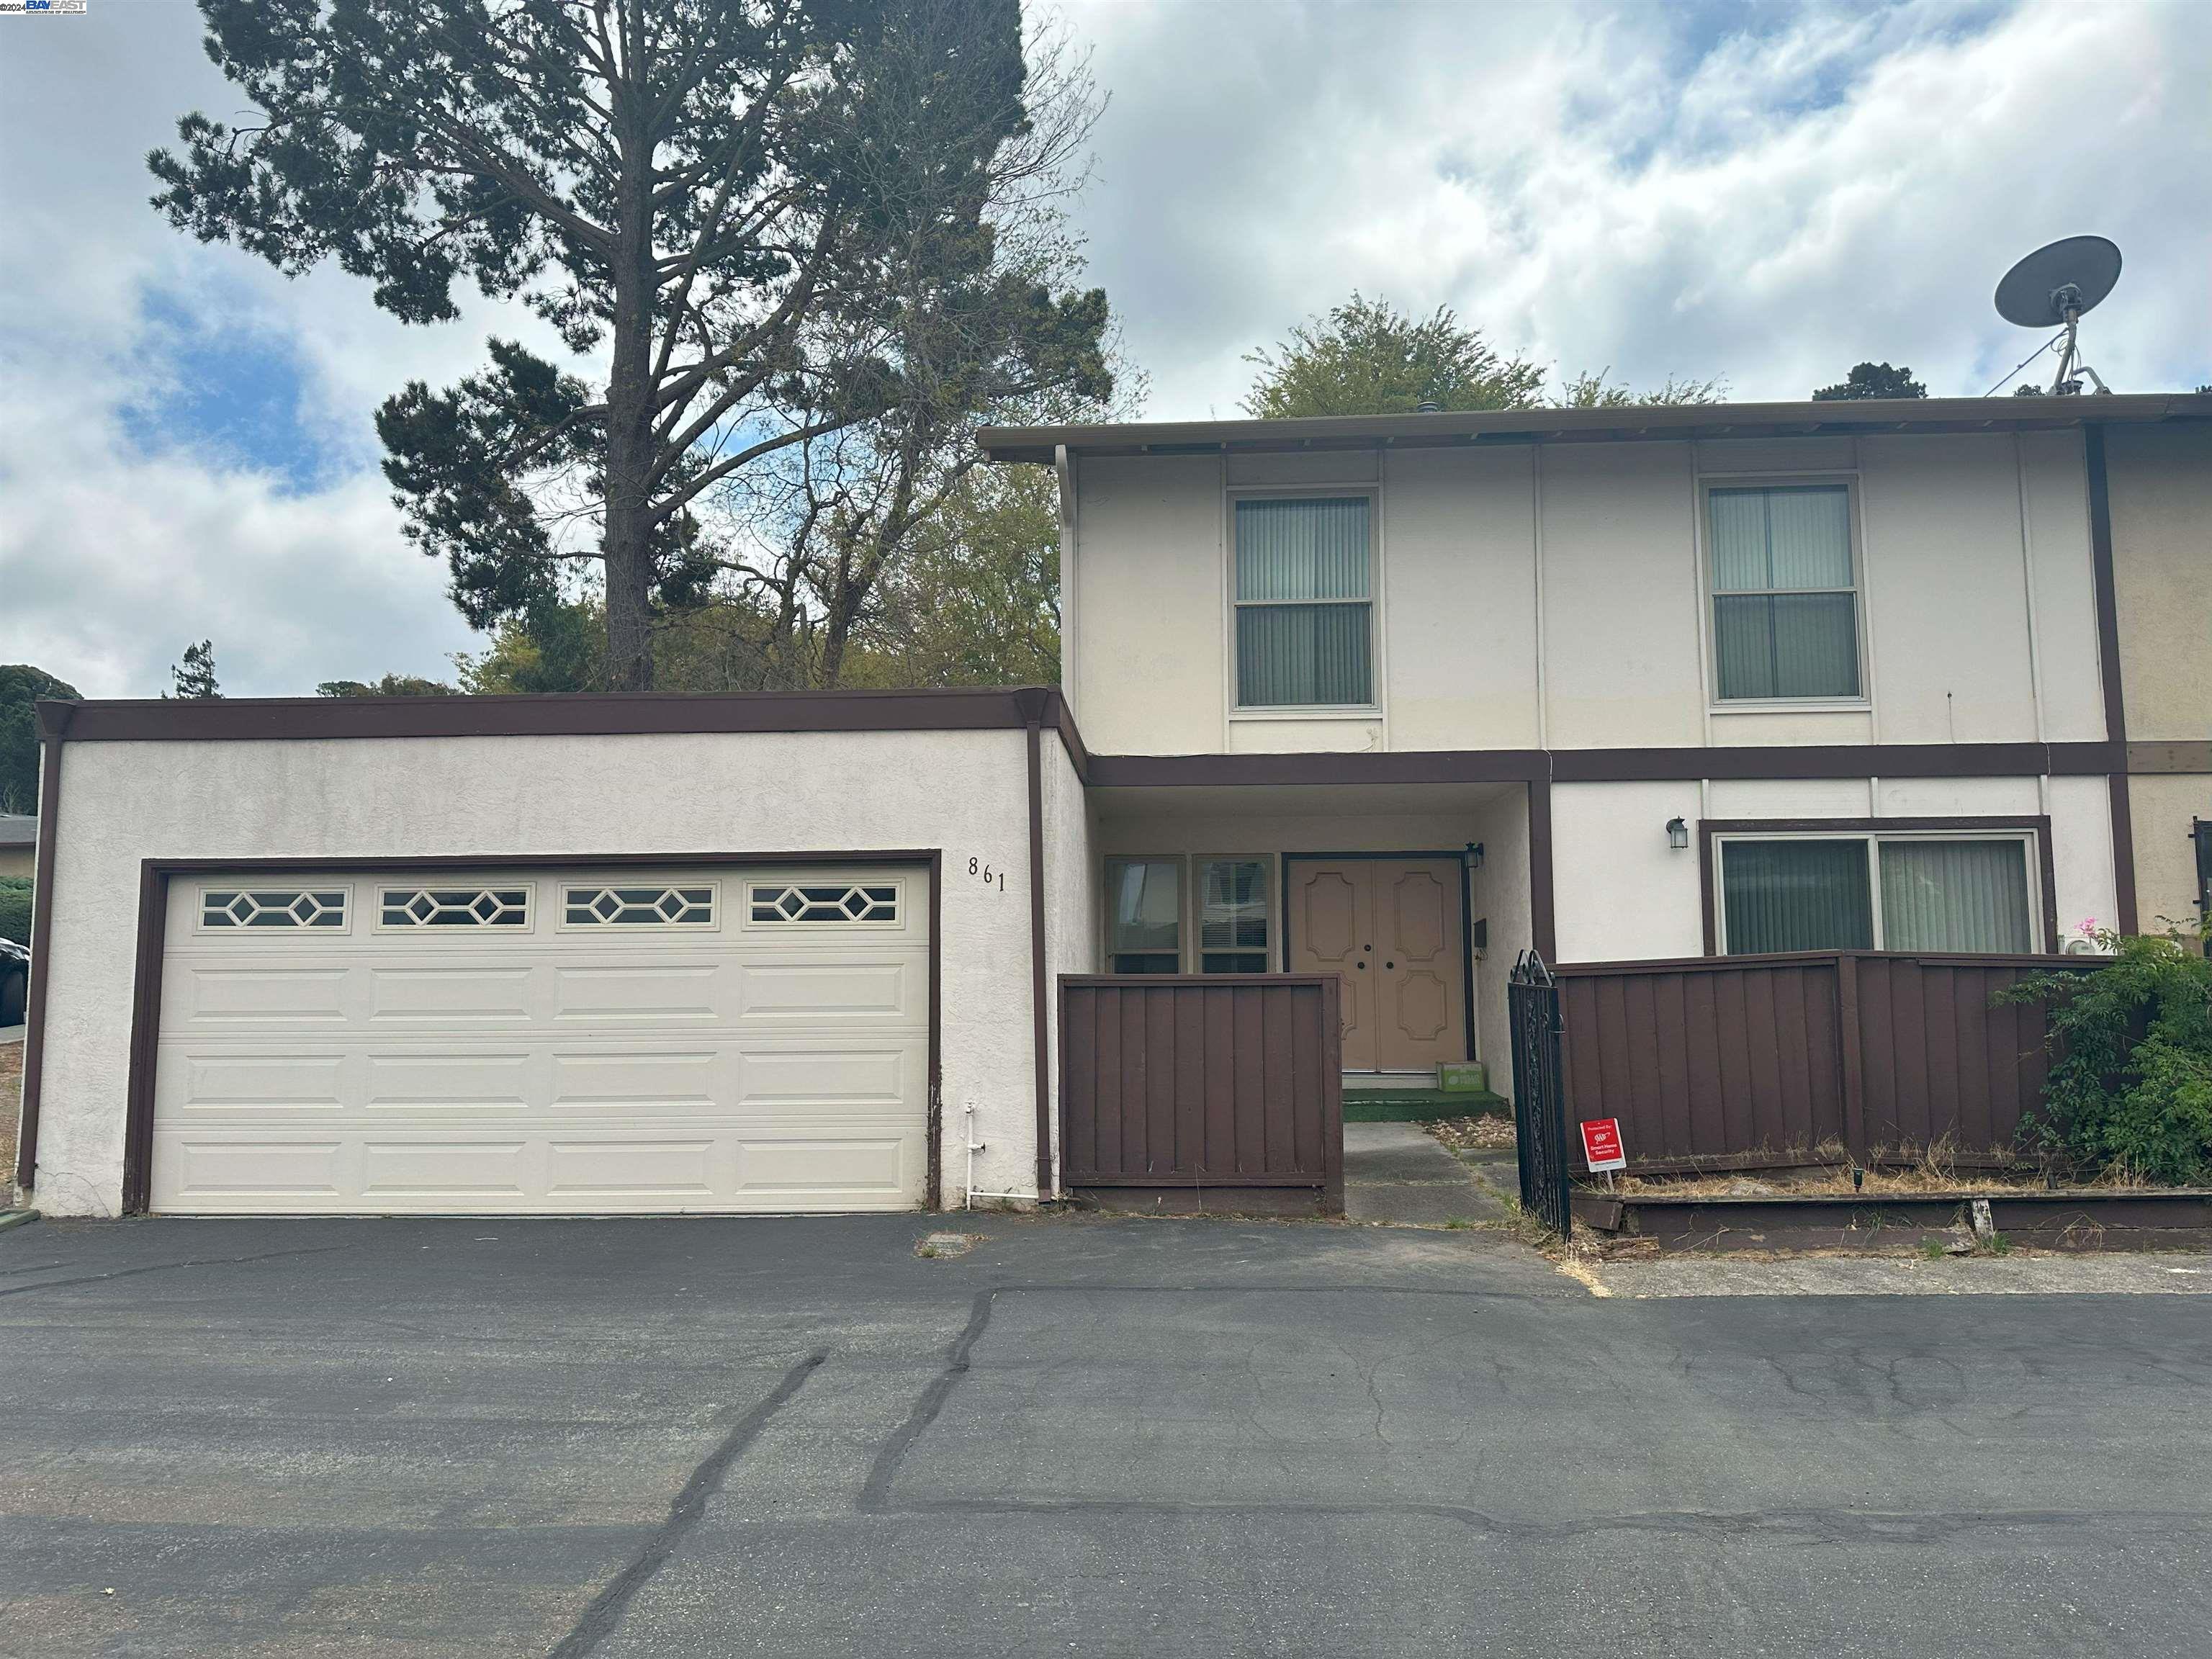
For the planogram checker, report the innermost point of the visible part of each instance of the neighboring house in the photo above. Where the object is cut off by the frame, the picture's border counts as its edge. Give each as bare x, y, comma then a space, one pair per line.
1389, 700
19, 843
2160, 479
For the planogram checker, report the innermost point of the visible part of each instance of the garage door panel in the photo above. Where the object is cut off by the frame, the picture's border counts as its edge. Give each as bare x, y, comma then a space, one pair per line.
635, 1076
449, 1081
635, 1169
794, 1166
236, 1171
255, 1083
872, 1078
444, 1167
546, 1068
259, 996
792, 989
637, 992
450, 995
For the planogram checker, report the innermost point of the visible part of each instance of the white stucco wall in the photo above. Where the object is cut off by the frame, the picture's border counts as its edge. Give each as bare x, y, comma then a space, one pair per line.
1072, 871
1620, 893
965, 792
1500, 893
1961, 536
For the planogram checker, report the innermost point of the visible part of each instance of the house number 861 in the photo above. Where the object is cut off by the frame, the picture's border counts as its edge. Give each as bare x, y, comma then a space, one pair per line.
991, 877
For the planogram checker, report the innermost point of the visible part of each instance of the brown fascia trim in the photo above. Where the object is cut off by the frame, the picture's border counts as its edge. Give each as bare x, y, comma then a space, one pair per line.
566, 714
42, 930
1708, 861
1645, 422
154, 874
1801, 761
2108, 663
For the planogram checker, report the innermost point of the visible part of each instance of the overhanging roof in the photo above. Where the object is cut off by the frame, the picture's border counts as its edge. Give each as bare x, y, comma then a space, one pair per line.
1626, 424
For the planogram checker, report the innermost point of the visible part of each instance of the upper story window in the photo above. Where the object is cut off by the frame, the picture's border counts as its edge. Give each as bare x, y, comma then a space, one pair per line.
1304, 606
1785, 594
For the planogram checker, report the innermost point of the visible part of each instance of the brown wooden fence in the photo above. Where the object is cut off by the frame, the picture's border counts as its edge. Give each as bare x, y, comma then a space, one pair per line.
1740, 1061
1197, 1081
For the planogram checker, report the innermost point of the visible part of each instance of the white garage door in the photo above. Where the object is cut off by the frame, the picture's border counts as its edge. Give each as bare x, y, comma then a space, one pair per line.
561, 1041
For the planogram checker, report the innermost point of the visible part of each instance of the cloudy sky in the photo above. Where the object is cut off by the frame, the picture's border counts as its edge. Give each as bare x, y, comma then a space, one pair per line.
1765, 193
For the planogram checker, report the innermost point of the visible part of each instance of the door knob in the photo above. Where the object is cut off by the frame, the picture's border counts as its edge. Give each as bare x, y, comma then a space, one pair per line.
1389, 964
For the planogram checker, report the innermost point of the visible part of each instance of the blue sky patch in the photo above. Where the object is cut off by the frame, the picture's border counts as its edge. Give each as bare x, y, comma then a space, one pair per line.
235, 395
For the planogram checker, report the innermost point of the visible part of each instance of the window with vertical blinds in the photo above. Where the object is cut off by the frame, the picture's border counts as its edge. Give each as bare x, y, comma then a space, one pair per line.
1305, 610
1859, 893
1785, 592
1232, 916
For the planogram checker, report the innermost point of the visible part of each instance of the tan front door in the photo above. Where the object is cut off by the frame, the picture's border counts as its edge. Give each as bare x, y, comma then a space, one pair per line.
1391, 928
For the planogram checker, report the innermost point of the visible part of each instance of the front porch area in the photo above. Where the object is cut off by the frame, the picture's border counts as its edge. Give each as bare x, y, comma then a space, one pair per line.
1414, 897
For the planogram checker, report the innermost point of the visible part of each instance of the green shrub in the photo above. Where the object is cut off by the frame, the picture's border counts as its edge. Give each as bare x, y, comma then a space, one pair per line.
2132, 1089
16, 908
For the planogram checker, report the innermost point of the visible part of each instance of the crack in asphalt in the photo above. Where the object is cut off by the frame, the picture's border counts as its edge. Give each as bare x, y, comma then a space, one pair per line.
168, 1267
600, 1620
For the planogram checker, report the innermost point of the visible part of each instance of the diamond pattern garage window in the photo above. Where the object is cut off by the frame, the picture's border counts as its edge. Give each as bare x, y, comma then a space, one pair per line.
639, 906
455, 907
273, 907
836, 903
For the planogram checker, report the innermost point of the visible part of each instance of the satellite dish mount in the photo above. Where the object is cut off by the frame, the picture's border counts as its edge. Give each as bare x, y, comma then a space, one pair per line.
2053, 287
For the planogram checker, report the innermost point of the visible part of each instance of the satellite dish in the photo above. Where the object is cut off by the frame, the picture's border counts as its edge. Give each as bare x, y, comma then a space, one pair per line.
2053, 287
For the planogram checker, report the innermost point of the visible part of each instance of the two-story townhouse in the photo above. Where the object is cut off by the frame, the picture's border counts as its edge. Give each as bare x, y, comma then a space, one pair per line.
1370, 704
1402, 696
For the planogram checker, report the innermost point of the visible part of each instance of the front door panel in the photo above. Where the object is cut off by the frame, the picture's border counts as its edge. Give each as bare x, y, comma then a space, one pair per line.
1421, 1003
1332, 926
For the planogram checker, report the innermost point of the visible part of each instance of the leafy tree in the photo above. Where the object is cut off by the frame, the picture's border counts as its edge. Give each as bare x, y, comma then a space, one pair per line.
1365, 357
1871, 380
2130, 1087
391, 685
1587, 390
21, 688
977, 603
739, 215
195, 676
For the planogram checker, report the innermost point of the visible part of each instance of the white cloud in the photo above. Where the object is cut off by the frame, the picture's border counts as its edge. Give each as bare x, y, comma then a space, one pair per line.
1603, 186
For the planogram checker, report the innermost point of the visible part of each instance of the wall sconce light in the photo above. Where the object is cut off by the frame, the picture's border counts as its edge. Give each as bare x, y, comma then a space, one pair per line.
1474, 855
1678, 834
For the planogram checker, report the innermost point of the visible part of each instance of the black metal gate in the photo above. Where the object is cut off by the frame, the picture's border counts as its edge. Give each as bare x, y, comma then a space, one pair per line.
1540, 1094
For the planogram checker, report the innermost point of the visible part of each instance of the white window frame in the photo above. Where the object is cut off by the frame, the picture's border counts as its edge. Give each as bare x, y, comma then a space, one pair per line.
377, 923
1862, 609
559, 905
2030, 842
249, 883
902, 897
1370, 710
1190, 905
1270, 877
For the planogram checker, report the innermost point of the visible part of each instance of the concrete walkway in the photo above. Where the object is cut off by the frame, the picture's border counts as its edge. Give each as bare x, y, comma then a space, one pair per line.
1399, 1174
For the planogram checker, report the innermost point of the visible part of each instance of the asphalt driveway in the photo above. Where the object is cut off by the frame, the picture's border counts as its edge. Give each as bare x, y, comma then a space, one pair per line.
1084, 1436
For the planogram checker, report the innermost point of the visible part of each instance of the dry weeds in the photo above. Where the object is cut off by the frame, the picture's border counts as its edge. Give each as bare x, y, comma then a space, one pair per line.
1470, 1135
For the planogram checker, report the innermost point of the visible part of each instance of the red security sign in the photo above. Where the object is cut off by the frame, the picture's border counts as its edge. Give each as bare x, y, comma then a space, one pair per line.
1602, 1147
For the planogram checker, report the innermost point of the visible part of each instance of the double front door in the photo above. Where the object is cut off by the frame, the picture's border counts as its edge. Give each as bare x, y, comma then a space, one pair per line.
1391, 928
